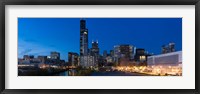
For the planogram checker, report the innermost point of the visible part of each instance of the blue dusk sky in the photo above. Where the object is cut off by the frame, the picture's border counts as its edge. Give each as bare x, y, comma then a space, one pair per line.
40, 36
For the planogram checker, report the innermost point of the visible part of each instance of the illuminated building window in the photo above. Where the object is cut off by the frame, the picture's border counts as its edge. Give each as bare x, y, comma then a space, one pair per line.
142, 58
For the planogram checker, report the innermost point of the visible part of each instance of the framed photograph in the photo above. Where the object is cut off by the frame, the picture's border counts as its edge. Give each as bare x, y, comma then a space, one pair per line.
100, 46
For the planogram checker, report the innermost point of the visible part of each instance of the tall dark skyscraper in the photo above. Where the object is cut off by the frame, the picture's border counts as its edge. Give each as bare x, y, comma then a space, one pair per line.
85, 59
83, 38
95, 49
95, 52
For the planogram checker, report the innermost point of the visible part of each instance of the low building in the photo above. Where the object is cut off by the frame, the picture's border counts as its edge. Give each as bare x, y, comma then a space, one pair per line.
28, 57
168, 59
140, 55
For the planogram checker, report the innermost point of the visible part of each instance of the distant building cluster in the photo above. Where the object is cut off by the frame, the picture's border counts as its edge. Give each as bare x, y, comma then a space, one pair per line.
120, 55
168, 48
53, 59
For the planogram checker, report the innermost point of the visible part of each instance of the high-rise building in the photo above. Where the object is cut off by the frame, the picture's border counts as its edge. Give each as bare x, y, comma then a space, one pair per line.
104, 54
94, 51
88, 61
55, 55
101, 60
112, 58
124, 51
83, 38
123, 54
112, 53
73, 59
84, 51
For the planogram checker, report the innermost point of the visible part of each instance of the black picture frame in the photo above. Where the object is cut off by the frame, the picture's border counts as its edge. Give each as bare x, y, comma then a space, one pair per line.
3, 3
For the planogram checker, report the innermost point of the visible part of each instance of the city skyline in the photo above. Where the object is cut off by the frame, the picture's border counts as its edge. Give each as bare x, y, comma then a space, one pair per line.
40, 36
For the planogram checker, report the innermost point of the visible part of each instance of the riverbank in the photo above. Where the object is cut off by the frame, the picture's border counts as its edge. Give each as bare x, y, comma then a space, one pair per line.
39, 72
118, 73
54, 72
76, 72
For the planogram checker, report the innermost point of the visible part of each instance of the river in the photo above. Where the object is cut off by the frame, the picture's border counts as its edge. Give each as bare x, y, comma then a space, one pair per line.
117, 73
66, 73
109, 73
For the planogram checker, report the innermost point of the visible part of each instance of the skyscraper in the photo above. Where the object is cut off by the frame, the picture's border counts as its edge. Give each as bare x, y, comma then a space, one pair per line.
73, 58
95, 52
83, 38
112, 53
104, 54
95, 49
123, 54
83, 44
125, 51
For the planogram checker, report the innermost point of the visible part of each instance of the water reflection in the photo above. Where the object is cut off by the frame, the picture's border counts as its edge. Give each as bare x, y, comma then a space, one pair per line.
70, 72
